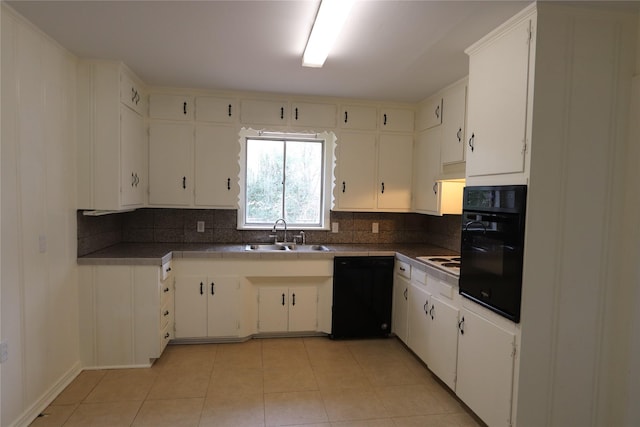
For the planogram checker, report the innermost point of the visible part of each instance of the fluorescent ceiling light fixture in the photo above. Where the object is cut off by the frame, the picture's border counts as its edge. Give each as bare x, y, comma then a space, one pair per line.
329, 21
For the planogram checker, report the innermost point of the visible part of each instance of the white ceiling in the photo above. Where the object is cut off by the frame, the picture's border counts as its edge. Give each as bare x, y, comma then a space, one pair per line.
388, 50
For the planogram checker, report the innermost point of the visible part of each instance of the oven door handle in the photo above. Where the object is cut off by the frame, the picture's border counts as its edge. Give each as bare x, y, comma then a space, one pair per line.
466, 226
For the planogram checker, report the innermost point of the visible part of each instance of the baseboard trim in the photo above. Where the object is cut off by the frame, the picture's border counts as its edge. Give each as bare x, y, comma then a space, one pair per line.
32, 412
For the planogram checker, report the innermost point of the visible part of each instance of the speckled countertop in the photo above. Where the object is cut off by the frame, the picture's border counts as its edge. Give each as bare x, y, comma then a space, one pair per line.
159, 253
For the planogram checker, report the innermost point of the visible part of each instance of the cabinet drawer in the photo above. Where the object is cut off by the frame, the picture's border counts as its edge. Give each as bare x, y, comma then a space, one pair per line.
403, 269
166, 335
167, 314
419, 276
216, 110
166, 270
171, 107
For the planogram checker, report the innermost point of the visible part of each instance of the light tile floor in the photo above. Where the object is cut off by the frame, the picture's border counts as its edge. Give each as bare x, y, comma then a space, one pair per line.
264, 382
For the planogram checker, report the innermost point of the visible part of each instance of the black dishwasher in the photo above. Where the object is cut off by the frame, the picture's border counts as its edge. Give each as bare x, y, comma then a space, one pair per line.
362, 297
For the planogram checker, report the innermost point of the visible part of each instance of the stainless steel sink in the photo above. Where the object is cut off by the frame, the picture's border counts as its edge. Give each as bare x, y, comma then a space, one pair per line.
284, 247
270, 247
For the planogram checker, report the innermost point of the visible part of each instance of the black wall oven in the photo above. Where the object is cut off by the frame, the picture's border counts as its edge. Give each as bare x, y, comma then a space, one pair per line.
492, 247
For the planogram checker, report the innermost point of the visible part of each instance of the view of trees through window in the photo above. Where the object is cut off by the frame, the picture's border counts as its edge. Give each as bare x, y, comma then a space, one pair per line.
284, 180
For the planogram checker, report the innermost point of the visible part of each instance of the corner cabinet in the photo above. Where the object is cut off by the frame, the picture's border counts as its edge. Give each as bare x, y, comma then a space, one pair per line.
499, 91
112, 143
126, 314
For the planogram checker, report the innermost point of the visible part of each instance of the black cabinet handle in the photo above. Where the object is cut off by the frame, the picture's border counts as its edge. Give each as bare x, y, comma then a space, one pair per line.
184, 182
459, 135
166, 313
212, 290
438, 112
472, 142
435, 188
385, 119
168, 269
229, 110
133, 94
425, 307
344, 186
294, 299
461, 326
345, 117
228, 183
184, 108
133, 179
281, 113
383, 188
166, 290
296, 113
167, 335
405, 294
282, 299
201, 288
431, 312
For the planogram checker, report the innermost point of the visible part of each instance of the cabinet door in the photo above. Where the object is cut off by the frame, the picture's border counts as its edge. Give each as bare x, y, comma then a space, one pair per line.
442, 341
426, 167
303, 308
400, 307
498, 83
133, 177
191, 307
396, 120
419, 306
356, 171
485, 368
395, 154
170, 107
216, 110
131, 93
261, 112
318, 116
273, 309
430, 113
223, 306
453, 124
216, 166
170, 163
358, 117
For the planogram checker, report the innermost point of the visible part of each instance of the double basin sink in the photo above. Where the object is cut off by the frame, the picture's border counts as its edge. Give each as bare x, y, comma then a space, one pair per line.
284, 247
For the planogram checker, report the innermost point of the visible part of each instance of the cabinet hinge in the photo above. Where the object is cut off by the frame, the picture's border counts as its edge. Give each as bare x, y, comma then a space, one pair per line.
524, 146
513, 351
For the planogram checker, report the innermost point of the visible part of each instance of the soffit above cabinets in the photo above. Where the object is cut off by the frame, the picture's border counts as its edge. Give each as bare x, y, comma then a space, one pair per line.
388, 50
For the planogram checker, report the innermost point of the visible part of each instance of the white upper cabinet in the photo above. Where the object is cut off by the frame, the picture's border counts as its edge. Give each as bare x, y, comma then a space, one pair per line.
216, 110
264, 112
316, 116
358, 117
216, 166
497, 103
395, 154
171, 107
356, 171
396, 120
453, 124
112, 144
171, 163
430, 113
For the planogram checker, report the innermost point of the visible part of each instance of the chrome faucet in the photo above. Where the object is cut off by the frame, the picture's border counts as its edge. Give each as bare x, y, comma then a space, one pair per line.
273, 230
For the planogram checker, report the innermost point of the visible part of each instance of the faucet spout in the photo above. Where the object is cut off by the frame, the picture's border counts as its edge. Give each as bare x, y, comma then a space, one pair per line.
275, 224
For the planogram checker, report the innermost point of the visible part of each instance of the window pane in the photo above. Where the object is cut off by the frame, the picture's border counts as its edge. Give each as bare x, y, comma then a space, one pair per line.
303, 185
265, 163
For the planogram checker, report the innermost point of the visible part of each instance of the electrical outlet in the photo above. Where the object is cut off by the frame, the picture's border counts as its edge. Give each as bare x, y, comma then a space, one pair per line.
4, 351
334, 227
374, 227
200, 226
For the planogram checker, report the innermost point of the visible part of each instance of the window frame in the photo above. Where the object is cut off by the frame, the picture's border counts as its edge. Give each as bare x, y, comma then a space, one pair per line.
327, 139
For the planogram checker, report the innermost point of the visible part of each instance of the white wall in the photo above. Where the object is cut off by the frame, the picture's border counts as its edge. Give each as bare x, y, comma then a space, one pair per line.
39, 317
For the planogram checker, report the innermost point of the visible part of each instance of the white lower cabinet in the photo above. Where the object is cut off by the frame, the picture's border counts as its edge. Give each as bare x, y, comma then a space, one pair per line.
419, 303
485, 368
399, 321
287, 309
442, 340
207, 306
126, 314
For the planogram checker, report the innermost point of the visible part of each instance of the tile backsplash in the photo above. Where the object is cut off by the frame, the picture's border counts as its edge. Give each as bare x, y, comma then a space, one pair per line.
220, 226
